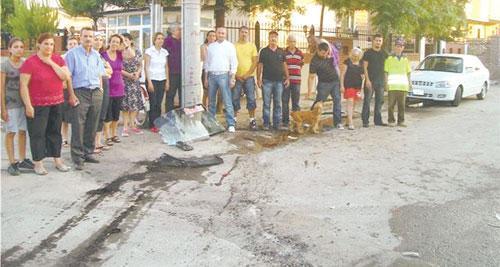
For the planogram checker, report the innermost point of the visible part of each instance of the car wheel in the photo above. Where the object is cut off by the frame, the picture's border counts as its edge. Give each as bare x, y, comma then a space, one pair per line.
458, 97
484, 90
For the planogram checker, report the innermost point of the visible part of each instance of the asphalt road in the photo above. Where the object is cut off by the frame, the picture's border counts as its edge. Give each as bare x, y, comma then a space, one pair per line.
425, 195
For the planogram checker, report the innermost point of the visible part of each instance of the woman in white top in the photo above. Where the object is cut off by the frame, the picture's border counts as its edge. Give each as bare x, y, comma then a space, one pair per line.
156, 70
211, 37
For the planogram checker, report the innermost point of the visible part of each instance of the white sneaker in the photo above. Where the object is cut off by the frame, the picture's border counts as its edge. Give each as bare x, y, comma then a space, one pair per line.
340, 126
231, 129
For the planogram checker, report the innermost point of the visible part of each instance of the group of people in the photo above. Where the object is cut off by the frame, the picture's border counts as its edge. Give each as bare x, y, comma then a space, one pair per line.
90, 86
234, 69
87, 89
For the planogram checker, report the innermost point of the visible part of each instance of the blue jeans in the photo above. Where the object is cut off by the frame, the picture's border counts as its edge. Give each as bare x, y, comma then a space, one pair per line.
248, 86
274, 90
378, 89
216, 82
294, 91
331, 88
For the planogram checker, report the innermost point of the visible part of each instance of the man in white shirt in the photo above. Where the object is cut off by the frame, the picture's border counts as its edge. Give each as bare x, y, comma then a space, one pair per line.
220, 74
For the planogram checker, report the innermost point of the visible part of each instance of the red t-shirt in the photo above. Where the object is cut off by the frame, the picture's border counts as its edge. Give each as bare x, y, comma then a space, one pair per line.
294, 61
45, 87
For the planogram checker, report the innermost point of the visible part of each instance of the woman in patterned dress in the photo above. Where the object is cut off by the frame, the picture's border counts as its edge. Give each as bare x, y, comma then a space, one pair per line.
132, 103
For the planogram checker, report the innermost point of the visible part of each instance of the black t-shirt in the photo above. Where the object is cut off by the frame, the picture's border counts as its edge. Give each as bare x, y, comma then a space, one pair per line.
272, 62
324, 68
352, 78
375, 63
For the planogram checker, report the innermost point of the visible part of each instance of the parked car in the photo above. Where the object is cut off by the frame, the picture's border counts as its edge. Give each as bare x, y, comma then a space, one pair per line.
449, 77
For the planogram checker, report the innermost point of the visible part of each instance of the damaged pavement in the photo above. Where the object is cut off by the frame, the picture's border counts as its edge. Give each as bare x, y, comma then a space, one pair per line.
426, 195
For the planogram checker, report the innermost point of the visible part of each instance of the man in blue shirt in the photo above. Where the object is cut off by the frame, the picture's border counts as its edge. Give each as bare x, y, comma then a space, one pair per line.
87, 68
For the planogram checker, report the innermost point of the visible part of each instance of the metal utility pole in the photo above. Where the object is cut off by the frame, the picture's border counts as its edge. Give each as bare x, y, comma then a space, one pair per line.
191, 72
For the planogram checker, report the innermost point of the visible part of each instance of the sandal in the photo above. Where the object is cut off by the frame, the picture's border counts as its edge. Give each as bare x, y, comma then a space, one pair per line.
102, 147
183, 146
109, 142
351, 127
41, 171
63, 168
97, 151
115, 139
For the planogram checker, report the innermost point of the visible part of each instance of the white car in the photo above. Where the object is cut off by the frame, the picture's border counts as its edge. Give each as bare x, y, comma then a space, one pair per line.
449, 77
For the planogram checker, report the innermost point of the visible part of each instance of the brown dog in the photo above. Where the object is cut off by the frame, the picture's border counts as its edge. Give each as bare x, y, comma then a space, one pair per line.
311, 117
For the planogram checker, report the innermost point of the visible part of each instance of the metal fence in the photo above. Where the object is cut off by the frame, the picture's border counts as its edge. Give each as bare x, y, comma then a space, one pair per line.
259, 35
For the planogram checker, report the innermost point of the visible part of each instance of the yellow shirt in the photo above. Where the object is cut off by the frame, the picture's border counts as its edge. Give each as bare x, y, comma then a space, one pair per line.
245, 52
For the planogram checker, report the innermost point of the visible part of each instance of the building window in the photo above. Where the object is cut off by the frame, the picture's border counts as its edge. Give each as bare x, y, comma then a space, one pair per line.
146, 19
112, 22
451, 50
478, 33
121, 31
460, 50
134, 20
121, 21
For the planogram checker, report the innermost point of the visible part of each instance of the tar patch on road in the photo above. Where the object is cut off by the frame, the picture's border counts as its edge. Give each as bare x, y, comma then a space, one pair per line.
160, 174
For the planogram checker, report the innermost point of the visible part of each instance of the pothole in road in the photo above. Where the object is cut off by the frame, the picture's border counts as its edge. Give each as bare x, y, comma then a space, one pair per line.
256, 141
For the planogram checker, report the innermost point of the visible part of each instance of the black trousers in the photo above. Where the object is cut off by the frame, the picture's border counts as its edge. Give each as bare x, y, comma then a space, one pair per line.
155, 100
45, 132
175, 86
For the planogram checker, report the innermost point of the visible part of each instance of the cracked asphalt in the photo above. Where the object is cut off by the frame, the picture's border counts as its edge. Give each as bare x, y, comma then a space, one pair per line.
426, 195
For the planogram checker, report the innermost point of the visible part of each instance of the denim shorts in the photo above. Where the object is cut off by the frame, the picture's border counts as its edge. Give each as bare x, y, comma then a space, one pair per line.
17, 120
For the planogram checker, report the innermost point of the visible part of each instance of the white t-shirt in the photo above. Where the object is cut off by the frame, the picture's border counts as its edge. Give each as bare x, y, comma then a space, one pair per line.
157, 63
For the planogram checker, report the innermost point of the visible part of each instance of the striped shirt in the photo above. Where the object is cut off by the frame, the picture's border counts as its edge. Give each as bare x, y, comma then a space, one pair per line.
294, 61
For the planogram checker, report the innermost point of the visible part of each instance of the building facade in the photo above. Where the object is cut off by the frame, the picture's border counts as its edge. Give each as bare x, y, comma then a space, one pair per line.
483, 18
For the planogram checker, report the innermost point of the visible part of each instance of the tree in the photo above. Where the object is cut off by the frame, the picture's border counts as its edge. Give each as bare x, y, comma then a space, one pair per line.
441, 22
90, 8
342, 8
7, 11
30, 21
436, 19
94, 8
281, 10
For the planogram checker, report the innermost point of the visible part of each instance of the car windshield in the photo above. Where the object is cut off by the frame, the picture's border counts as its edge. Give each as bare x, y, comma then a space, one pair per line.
446, 64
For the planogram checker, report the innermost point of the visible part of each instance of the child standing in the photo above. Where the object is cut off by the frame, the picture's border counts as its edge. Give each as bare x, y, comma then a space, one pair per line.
13, 108
351, 82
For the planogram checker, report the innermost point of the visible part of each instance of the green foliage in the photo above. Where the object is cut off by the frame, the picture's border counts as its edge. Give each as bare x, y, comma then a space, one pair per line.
281, 10
94, 8
89, 8
441, 21
30, 21
7, 11
437, 19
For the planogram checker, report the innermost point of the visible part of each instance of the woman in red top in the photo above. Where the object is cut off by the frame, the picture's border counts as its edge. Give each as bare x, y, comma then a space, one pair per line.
42, 76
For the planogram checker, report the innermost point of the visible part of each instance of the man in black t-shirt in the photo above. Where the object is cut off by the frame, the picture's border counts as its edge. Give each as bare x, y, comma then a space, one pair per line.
272, 74
373, 63
328, 80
